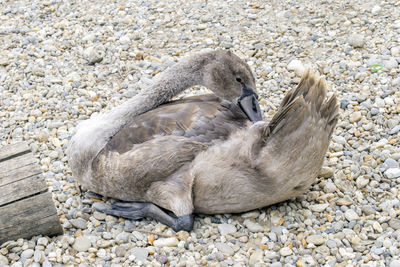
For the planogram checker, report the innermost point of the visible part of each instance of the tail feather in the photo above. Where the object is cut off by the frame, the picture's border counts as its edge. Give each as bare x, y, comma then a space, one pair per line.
306, 99
307, 81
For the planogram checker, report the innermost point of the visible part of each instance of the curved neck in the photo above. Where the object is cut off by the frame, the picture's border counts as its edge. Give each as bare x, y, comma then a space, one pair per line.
175, 79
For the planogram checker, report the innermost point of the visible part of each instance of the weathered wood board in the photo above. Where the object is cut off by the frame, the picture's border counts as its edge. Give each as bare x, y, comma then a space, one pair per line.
26, 206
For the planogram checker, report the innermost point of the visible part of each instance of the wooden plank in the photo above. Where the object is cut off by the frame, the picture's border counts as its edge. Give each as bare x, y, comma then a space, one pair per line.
29, 186
13, 150
17, 162
28, 217
19, 174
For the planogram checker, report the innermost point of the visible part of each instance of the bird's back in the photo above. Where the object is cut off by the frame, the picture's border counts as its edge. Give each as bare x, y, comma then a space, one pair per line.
204, 119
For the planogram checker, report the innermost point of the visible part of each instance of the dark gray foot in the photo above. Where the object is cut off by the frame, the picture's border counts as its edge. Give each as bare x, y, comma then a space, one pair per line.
138, 210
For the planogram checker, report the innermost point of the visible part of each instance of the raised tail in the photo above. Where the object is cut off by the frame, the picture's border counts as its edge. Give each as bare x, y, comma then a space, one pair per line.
297, 138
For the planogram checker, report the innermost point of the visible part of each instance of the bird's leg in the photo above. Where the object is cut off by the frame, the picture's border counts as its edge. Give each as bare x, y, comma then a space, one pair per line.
138, 210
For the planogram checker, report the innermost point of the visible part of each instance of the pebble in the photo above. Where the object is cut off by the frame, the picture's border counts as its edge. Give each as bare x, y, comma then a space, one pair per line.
356, 40
285, 251
42, 241
395, 263
82, 244
392, 173
319, 207
99, 215
395, 224
355, 117
331, 244
224, 248
226, 229
362, 181
26, 254
120, 251
166, 242
253, 226
315, 239
79, 223
395, 51
296, 66
256, 257
275, 264
351, 215
326, 172
162, 259
139, 253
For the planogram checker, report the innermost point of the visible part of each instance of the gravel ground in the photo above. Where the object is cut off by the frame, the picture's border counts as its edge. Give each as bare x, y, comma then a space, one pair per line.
61, 62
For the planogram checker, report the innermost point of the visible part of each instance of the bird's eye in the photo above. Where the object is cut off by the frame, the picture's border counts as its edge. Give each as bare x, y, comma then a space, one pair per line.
238, 79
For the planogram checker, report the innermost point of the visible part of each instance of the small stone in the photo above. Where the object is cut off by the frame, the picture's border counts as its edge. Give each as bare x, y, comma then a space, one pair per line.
3, 261
79, 223
395, 51
355, 117
391, 163
285, 251
122, 237
120, 251
319, 207
394, 130
362, 181
315, 239
276, 264
253, 226
392, 173
38, 256
42, 241
356, 40
326, 172
219, 256
395, 263
162, 259
82, 244
395, 224
374, 111
243, 239
368, 210
166, 242
346, 201
251, 214
377, 226
224, 248
376, 9
330, 187
125, 39
182, 235
226, 229
139, 55
296, 66
99, 216
94, 54
331, 244
139, 253
256, 257
390, 63
26, 254
351, 215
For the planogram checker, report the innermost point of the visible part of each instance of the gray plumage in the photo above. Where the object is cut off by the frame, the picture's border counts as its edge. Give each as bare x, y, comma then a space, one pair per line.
201, 154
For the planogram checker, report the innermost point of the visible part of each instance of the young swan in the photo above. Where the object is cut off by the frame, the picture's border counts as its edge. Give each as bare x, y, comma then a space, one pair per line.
257, 165
229, 77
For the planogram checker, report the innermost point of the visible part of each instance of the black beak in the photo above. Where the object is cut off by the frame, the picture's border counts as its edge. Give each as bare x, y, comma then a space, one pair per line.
249, 104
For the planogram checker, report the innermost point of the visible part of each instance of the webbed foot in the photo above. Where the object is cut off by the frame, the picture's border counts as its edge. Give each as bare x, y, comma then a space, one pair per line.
138, 210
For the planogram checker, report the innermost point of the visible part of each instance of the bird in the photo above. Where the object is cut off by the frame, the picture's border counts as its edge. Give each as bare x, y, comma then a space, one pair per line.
108, 151
258, 164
